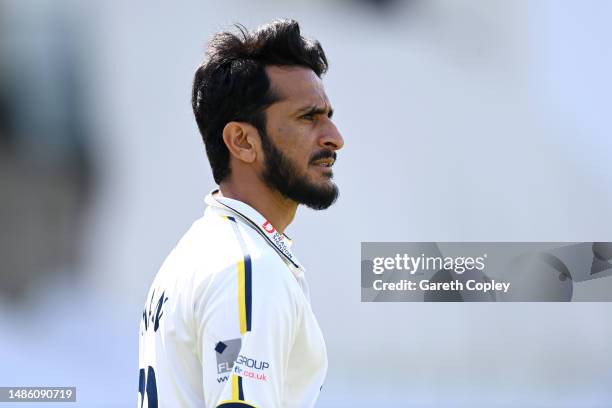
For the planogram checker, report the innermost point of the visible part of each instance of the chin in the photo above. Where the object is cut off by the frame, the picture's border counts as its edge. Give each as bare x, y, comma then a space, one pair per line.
325, 184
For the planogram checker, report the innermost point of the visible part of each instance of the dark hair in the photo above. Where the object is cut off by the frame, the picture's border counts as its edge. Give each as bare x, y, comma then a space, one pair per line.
232, 84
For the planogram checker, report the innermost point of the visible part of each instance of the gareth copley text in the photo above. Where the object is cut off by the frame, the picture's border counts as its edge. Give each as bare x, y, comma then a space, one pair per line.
413, 264
455, 285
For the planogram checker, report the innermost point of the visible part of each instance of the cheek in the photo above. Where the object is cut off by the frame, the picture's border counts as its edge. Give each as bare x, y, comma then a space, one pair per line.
293, 143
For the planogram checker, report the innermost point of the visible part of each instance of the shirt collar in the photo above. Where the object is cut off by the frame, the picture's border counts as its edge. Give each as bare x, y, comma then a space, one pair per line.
247, 214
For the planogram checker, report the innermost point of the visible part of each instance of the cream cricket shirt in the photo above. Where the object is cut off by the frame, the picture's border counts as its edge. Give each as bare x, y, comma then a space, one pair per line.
227, 321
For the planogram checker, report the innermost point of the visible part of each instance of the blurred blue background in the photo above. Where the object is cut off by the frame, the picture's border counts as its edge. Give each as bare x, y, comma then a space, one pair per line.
470, 120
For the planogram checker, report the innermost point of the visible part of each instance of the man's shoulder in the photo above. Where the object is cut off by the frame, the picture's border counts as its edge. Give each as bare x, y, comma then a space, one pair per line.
207, 245
215, 246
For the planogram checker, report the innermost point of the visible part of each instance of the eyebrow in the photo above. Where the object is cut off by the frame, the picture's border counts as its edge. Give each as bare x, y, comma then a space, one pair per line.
315, 110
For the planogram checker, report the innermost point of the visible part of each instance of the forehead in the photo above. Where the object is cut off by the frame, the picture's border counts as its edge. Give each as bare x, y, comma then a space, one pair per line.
297, 85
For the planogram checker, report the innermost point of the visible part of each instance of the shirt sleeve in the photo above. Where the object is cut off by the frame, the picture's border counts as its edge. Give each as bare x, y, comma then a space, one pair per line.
247, 322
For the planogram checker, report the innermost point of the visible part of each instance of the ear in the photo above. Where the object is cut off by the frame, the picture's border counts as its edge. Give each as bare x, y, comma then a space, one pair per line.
239, 138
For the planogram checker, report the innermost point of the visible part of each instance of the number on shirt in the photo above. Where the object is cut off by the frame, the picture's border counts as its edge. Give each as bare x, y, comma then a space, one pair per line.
148, 385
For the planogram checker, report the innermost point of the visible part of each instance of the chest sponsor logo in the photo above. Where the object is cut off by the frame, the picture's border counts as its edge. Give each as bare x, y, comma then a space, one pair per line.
251, 368
277, 238
226, 352
269, 228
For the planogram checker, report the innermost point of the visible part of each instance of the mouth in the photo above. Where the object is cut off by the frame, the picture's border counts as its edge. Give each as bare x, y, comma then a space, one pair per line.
324, 163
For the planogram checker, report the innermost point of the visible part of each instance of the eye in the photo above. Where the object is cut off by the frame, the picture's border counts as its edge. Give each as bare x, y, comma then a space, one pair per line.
308, 116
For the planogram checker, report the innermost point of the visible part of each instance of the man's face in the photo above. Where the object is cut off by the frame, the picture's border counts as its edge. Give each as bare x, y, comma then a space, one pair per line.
300, 141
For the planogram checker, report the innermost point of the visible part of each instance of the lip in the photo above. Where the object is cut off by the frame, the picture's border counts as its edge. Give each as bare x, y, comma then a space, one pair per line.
321, 166
325, 163
326, 171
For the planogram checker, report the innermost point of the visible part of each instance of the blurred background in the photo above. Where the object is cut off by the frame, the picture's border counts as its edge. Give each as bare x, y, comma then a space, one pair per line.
471, 120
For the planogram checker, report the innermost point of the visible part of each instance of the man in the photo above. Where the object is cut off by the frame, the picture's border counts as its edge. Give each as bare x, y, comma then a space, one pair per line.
227, 321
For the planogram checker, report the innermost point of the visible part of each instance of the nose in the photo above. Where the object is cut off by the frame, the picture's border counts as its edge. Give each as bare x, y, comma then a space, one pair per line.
331, 137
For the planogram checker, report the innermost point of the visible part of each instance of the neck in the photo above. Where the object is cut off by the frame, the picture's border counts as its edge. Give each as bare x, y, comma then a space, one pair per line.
276, 208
